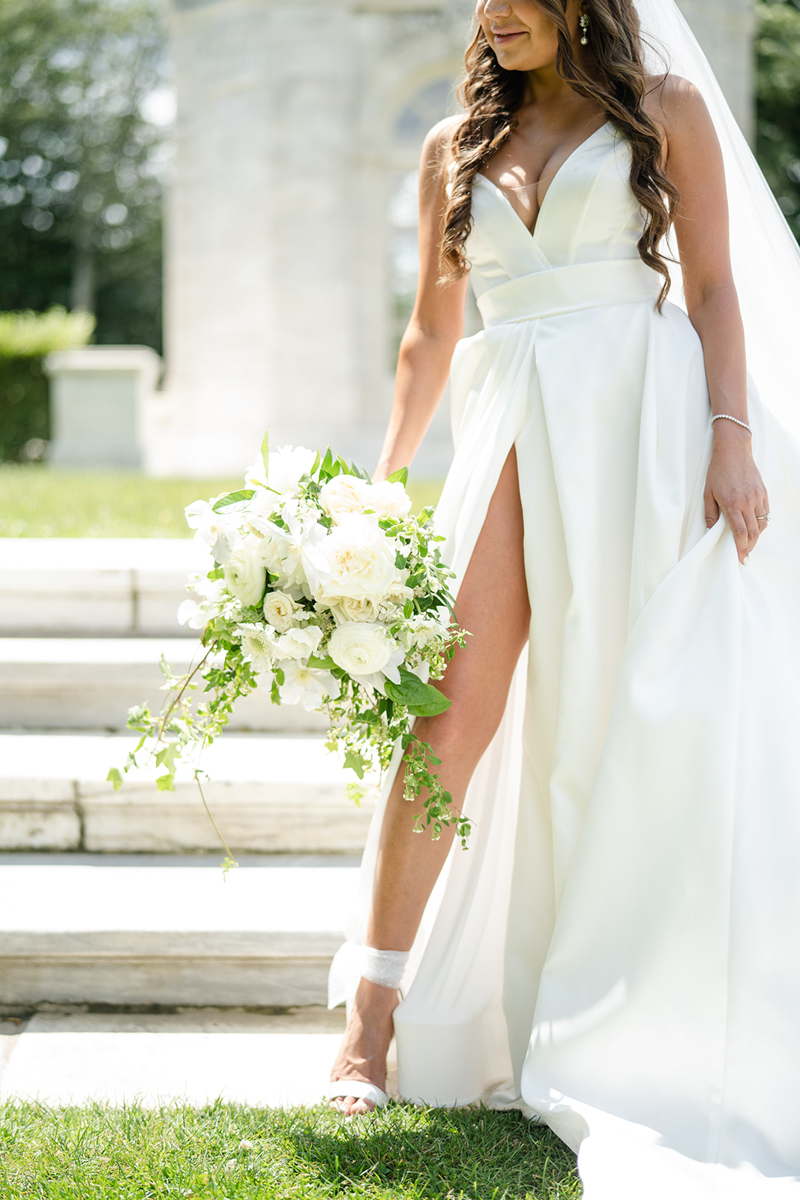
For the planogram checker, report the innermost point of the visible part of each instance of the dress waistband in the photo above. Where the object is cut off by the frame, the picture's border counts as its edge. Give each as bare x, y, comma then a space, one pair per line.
569, 289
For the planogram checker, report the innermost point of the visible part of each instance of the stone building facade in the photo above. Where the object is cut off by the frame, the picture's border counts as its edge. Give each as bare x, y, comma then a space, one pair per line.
290, 234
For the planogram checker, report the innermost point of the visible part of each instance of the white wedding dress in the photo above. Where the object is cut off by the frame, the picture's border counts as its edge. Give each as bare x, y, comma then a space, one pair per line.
618, 950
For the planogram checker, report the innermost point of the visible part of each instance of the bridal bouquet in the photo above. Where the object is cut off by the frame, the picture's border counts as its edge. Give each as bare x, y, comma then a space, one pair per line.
325, 591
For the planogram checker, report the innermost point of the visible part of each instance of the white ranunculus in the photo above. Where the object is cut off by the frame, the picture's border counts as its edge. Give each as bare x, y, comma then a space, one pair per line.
307, 686
280, 610
361, 648
388, 499
351, 608
258, 645
356, 560
246, 575
342, 496
286, 466
299, 643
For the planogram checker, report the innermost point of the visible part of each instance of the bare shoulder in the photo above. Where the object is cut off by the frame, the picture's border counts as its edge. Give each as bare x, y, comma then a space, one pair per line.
437, 147
677, 107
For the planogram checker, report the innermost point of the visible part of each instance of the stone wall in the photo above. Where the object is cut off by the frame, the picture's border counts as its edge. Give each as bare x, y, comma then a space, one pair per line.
298, 130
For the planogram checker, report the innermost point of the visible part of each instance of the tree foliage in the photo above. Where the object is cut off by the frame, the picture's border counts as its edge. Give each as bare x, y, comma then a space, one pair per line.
81, 165
778, 102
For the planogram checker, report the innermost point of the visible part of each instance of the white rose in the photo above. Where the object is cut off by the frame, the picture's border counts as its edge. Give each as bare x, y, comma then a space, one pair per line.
357, 560
351, 608
388, 499
279, 610
342, 496
360, 648
299, 643
246, 575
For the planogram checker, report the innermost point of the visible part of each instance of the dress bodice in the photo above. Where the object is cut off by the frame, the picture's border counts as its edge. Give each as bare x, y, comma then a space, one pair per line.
589, 214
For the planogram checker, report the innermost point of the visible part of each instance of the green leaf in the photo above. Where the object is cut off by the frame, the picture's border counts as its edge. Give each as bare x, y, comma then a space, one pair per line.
354, 761
114, 777
400, 476
321, 664
421, 699
167, 756
166, 783
233, 498
356, 792
265, 454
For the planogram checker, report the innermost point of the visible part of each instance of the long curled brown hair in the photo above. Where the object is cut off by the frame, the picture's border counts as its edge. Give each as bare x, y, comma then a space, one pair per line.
491, 97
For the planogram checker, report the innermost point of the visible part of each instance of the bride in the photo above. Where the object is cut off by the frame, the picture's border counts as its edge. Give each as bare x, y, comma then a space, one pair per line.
616, 950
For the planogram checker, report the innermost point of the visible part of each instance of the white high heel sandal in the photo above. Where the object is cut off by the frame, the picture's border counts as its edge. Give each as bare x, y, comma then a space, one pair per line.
386, 968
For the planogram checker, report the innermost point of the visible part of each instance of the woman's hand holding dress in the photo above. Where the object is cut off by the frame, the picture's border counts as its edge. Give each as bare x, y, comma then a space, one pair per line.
735, 489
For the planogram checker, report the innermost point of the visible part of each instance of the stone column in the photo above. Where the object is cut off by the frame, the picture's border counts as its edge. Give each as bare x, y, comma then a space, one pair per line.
726, 31
260, 285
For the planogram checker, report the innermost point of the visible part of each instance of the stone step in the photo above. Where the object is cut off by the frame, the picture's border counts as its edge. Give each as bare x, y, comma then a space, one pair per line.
90, 683
99, 587
139, 931
267, 794
194, 1056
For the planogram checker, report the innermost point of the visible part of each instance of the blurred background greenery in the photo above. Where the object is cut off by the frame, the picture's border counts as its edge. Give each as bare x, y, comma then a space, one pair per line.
85, 145
37, 501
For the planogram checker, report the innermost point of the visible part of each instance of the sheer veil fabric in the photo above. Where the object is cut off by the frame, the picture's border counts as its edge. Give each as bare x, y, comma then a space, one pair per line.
616, 951
766, 257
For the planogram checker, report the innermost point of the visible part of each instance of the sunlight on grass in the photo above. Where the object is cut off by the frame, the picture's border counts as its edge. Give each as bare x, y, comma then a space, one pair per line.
132, 1153
38, 501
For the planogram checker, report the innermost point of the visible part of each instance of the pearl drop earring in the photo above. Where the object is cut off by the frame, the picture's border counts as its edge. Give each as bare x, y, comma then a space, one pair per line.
584, 22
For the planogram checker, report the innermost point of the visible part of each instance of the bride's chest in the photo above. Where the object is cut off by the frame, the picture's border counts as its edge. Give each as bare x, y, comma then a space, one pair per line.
589, 212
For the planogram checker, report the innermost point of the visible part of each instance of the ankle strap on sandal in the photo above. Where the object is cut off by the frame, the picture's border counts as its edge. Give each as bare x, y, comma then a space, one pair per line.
384, 967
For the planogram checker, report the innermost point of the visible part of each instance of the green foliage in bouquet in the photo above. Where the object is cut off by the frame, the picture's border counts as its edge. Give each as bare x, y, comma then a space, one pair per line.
324, 591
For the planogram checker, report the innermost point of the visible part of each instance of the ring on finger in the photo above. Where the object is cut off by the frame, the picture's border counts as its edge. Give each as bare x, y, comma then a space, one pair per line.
763, 517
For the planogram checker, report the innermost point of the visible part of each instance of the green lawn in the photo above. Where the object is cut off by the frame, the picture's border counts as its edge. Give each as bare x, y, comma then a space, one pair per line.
37, 501
404, 1153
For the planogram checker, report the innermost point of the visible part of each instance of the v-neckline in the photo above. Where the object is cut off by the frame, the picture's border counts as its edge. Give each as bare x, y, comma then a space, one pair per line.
532, 232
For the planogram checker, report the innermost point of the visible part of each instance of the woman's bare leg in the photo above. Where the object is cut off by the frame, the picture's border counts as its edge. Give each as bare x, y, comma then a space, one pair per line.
493, 606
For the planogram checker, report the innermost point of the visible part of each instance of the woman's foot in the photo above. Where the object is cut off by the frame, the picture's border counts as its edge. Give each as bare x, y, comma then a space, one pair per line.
365, 1045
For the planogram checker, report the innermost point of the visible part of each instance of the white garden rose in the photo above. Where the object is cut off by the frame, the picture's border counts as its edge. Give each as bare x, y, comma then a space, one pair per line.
388, 499
342, 496
360, 648
246, 575
354, 608
299, 643
357, 560
280, 610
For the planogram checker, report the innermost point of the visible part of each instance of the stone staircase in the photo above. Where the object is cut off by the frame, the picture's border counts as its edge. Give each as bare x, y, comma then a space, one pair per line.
117, 898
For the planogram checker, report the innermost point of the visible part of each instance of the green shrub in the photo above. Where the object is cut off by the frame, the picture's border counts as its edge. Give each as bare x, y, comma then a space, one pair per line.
25, 339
